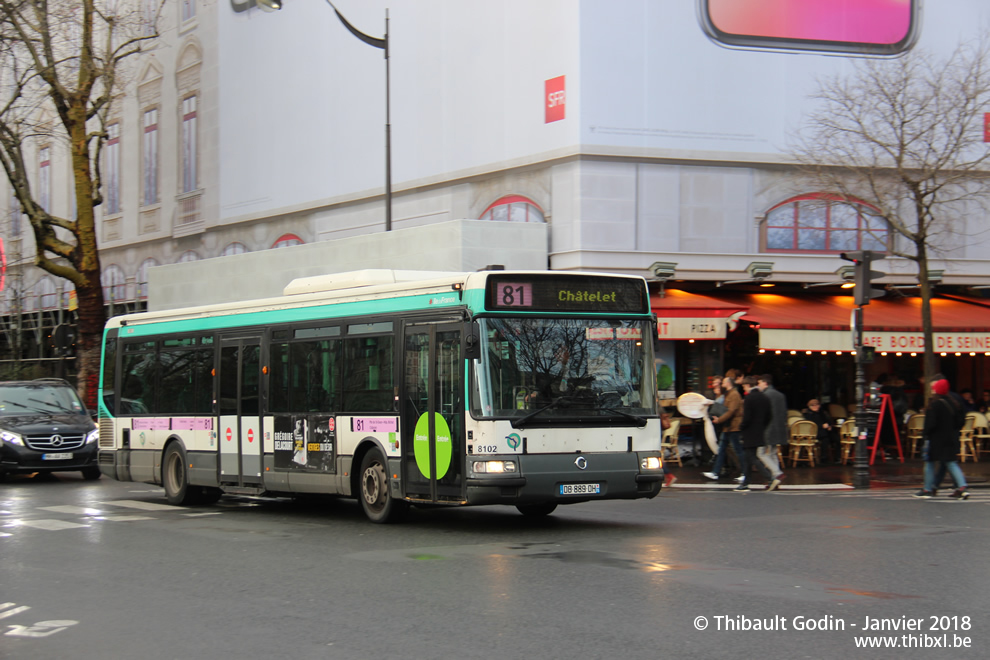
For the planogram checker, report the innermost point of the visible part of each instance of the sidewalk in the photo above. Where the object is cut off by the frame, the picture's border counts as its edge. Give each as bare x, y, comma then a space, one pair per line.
889, 474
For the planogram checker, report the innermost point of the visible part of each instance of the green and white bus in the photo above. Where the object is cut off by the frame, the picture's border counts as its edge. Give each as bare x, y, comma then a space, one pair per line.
531, 389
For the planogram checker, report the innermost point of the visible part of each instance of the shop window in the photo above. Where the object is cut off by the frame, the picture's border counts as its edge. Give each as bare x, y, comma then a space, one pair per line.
513, 208
287, 240
824, 223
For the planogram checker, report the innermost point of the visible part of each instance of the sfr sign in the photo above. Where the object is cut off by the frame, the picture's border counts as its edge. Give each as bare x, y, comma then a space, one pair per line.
555, 99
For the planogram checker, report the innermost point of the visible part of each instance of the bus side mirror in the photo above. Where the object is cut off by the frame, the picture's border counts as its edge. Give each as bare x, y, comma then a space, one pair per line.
472, 341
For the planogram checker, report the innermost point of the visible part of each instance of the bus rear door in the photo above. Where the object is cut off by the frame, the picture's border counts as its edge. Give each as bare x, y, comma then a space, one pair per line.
433, 412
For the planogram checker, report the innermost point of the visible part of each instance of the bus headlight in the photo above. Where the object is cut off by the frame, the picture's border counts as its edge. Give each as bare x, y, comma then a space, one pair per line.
651, 463
11, 438
493, 467
93, 436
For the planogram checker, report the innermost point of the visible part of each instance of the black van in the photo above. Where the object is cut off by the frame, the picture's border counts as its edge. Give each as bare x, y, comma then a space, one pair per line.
44, 427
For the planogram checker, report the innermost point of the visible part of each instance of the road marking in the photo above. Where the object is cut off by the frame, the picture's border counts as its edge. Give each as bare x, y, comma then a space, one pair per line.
68, 508
145, 506
50, 524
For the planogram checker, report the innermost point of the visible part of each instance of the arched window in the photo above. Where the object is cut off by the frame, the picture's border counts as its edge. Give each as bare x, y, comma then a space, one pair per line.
821, 222
188, 255
142, 277
114, 284
285, 240
513, 208
234, 248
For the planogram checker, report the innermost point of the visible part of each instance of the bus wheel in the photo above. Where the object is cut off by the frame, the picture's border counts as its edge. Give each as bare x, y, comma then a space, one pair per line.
537, 510
176, 479
376, 500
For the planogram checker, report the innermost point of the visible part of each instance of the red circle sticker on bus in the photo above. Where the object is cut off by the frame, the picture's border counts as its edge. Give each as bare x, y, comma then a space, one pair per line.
229, 434
331, 425
250, 435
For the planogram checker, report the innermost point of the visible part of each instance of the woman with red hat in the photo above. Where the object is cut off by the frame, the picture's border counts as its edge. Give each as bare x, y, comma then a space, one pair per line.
944, 416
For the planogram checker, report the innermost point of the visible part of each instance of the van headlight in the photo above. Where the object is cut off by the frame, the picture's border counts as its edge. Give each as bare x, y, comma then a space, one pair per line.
493, 467
11, 438
651, 463
92, 436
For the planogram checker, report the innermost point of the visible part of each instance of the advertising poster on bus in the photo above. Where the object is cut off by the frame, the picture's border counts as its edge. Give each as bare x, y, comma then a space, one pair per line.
305, 443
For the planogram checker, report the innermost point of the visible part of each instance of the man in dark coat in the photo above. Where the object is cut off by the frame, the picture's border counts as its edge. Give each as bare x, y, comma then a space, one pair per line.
944, 417
756, 418
776, 433
828, 436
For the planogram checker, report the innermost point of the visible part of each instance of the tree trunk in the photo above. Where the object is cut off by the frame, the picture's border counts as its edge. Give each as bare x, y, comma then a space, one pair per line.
926, 319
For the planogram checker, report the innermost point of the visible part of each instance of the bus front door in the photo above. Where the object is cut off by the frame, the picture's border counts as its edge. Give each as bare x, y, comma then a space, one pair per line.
238, 405
433, 412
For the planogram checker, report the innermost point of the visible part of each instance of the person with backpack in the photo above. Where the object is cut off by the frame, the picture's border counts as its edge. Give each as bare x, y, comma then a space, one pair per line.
944, 417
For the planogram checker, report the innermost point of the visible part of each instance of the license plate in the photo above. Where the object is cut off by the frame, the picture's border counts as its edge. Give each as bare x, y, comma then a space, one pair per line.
56, 457
580, 489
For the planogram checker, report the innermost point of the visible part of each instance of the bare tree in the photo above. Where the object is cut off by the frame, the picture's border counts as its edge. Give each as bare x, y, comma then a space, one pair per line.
61, 64
906, 136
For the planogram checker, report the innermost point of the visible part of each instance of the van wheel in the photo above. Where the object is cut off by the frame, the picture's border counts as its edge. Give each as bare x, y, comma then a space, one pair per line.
537, 510
376, 499
91, 473
175, 477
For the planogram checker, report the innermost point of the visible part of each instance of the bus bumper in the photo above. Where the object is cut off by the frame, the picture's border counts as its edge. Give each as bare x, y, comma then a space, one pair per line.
566, 479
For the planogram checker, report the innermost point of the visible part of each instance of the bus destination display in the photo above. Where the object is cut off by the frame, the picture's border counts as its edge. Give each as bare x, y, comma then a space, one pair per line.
567, 294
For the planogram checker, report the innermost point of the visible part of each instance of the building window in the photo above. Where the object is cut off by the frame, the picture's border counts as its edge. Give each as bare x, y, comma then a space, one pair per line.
190, 147
150, 18
112, 167
824, 223
46, 294
150, 157
286, 240
114, 284
234, 248
14, 211
188, 9
188, 255
513, 208
45, 178
142, 278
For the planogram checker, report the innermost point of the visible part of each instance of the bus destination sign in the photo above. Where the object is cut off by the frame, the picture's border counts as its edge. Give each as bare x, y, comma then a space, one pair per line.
567, 293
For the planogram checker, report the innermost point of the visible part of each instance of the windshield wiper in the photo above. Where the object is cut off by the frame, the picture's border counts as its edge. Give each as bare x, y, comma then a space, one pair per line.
640, 421
51, 404
21, 405
518, 423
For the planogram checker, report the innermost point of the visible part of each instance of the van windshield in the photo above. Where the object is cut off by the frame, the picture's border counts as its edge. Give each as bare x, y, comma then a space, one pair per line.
30, 398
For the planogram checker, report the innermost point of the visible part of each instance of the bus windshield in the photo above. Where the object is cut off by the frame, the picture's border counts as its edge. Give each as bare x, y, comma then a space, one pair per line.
555, 369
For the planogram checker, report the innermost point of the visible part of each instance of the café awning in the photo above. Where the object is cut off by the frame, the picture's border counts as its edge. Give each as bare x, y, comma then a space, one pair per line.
823, 323
683, 315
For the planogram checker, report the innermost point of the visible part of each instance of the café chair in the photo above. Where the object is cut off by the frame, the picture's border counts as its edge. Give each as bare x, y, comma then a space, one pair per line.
803, 442
967, 448
915, 430
847, 441
668, 443
981, 434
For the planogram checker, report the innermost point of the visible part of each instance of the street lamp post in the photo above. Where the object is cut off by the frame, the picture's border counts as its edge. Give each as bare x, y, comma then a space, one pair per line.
375, 42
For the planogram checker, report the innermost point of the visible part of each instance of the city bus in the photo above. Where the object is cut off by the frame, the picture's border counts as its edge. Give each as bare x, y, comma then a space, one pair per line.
397, 388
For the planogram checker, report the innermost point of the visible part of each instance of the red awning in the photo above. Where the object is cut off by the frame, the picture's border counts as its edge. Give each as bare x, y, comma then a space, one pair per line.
813, 322
683, 315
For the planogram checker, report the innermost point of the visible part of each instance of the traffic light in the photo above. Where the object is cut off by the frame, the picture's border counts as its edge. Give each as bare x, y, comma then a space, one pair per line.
863, 259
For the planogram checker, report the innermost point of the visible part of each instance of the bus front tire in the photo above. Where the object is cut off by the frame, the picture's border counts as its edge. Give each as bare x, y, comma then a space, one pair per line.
537, 510
376, 499
175, 478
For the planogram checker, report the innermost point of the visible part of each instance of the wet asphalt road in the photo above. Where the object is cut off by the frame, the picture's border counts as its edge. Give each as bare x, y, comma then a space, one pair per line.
107, 570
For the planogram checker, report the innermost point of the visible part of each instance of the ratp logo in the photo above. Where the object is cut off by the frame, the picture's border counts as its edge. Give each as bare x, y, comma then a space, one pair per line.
514, 440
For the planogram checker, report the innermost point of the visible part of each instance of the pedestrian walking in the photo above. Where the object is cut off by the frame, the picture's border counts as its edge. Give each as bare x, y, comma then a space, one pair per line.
776, 433
730, 421
944, 417
756, 418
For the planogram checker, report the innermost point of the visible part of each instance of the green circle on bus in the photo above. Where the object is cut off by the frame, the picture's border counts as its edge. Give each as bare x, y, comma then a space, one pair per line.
421, 444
